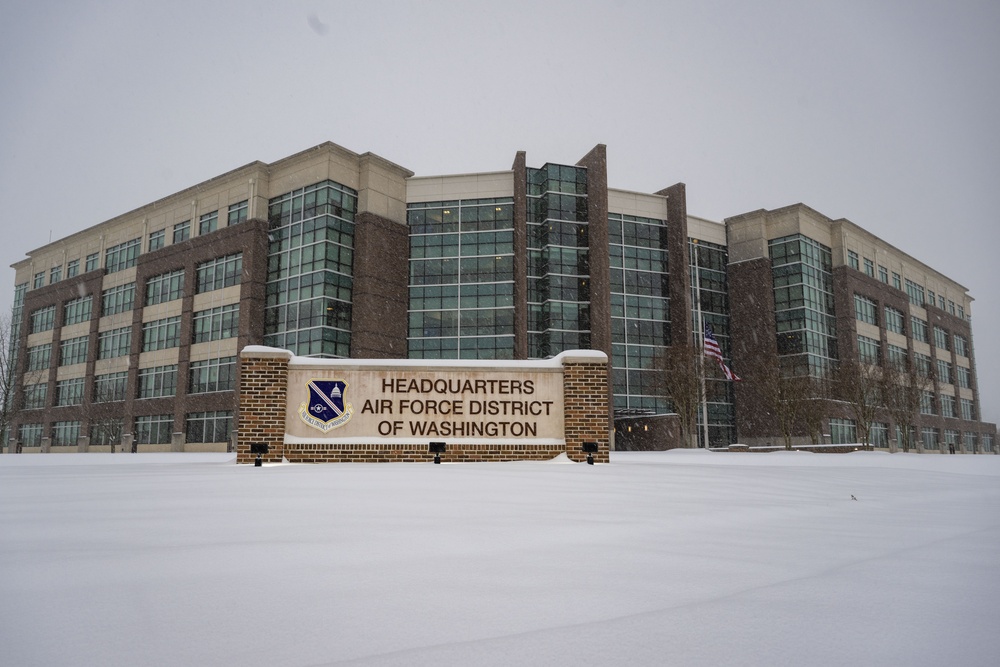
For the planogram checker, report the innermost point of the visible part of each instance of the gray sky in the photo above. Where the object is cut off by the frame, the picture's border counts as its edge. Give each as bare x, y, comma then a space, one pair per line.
880, 112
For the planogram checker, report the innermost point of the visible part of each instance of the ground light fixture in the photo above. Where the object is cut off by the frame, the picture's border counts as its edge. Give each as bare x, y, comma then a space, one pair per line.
258, 448
437, 449
590, 448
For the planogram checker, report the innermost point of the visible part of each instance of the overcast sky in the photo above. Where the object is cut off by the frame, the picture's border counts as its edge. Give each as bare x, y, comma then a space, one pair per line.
884, 113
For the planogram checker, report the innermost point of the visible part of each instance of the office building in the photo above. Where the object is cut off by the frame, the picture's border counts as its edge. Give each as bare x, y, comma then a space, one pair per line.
129, 330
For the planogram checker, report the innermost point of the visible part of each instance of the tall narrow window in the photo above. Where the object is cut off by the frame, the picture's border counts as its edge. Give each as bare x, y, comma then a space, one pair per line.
208, 223
182, 231
238, 213
157, 239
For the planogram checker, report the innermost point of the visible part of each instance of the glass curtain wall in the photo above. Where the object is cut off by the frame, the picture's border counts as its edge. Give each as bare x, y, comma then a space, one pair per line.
640, 310
803, 301
310, 270
710, 305
558, 260
461, 279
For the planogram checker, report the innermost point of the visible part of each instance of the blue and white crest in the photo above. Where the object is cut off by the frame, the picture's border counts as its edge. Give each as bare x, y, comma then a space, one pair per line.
327, 407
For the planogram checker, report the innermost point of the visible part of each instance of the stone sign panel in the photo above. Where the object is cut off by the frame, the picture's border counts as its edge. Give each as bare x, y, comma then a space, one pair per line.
333, 410
417, 404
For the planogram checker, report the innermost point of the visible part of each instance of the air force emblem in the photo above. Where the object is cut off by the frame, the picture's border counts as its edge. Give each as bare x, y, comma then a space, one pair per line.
326, 409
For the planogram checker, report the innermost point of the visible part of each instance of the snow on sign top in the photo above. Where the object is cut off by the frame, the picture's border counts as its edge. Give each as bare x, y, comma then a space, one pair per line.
312, 362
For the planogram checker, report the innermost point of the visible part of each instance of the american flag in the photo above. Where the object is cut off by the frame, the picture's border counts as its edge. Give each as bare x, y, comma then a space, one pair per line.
713, 351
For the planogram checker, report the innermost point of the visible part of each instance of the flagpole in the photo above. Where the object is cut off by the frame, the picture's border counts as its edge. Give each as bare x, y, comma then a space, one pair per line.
701, 329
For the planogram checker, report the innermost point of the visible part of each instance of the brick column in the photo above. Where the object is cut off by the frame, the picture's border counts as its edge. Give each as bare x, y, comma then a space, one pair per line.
262, 392
585, 400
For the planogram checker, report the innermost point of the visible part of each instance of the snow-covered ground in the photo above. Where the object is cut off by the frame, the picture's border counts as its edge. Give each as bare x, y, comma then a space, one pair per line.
668, 558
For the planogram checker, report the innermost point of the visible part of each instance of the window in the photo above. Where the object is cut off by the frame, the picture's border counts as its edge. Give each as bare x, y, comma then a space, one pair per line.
217, 323
213, 375
30, 435
951, 307
153, 429
894, 321
110, 387
310, 263
104, 432
961, 312
878, 434
897, 357
182, 231
65, 433
219, 272
869, 267
950, 438
919, 329
55, 274
238, 212
165, 287
930, 438
73, 351
209, 426
865, 310
72, 268
114, 343
43, 319
39, 280
157, 240
69, 392
883, 274
941, 338
843, 431
987, 442
969, 441
35, 395
941, 303
803, 294
868, 350
157, 382
77, 310
122, 256
963, 377
92, 260
896, 281
117, 299
208, 223
968, 410
931, 299
915, 292
39, 357
923, 364
927, 402
961, 346
947, 405
852, 259
161, 334
944, 372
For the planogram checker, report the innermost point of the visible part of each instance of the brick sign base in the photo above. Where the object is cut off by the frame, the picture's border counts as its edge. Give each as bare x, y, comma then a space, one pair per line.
270, 407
